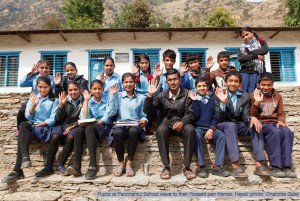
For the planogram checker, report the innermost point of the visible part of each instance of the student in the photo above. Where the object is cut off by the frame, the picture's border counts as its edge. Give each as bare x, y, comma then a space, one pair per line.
203, 106
108, 77
40, 111
61, 84
216, 77
42, 68
177, 119
267, 106
66, 117
233, 116
252, 59
94, 106
128, 106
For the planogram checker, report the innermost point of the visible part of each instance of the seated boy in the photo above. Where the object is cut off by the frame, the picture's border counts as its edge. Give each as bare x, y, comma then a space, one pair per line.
203, 107
233, 116
267, 106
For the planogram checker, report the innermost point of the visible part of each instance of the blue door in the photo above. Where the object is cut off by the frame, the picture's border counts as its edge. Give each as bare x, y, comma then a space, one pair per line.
96, 58
96, 67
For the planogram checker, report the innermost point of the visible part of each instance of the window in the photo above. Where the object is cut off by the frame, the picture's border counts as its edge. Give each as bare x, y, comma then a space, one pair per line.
96, 58
153, 54
283, 64
200, 51
9, 65
233, 57
56, 59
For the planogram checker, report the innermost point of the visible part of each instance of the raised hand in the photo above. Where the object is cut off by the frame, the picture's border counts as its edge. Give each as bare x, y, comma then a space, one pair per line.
183, 68
86, 95
57, 79
223, 96
209, 62
35, 68
158, 71
192, 95
34, 99
113, 89
258, 96
62, 98
134, 69
102, 78
152, 87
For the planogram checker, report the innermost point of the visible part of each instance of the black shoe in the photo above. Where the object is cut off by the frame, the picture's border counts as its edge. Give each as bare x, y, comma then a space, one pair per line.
203, 173
13, 176
26, 162
91, 173
277, 172
72, 170
289, 173
44, 172
62, 170
220, 171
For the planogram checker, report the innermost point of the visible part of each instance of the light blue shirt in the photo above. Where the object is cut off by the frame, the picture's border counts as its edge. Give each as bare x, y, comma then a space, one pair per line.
31, 82
114, 79
74, 103
206, 97
100, 111
129, 109
187, 81
45, 111
162, 85
233, 98
142, 87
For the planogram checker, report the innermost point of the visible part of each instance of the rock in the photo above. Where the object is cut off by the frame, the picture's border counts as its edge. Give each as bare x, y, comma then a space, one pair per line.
44, 195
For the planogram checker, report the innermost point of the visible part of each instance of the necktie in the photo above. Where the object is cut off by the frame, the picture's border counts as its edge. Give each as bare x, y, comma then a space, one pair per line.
203, 100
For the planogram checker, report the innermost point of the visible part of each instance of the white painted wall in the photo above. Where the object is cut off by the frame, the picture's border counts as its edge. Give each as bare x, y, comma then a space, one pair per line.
78, 45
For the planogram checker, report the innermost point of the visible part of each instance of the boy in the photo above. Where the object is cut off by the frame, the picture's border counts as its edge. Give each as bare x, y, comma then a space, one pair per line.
216, 77
203, 106
267, 106
233, 116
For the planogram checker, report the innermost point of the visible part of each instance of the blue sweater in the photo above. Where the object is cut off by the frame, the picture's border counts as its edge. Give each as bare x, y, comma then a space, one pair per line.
204, 113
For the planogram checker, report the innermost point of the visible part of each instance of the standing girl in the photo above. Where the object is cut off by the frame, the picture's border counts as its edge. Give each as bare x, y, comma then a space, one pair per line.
128, 106
67, 116
40, 111
95, 106
252, 59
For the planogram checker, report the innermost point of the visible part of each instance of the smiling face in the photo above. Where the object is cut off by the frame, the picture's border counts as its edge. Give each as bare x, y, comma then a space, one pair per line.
233, 83
71, 71
144, 65
97, 90
173, 81
128, 84
194, 65
43, 88
44, 69
109, 67
265, 86
73, 92
169, 63
247, 36
223, 63
202, 88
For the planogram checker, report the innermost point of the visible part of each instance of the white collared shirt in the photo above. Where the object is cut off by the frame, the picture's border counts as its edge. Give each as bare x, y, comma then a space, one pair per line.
174, 96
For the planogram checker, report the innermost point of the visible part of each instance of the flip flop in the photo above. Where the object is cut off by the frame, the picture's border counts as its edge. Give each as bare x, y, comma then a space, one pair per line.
129, 171
188, 173
118, 171
165, 173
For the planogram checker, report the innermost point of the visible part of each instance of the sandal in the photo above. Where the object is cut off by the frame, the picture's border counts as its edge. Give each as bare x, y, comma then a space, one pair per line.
238, 172
188, 173
165, 173
261, 171
129, 171
118, 171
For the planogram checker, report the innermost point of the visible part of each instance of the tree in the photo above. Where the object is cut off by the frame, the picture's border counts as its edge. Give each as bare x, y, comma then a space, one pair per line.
292, 18
220, 17
51, 22
138, 14
83, 14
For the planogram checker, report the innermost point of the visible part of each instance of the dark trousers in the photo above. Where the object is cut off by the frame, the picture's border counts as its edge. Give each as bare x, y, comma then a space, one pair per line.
279, 144
120, 135
188, 134
233, 130
21, 114
218, 139
249, 82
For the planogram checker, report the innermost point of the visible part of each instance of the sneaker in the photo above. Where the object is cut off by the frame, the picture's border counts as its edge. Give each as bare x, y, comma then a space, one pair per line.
277, 172
13, 176
72, 170
220, 171
203, 173
62, 170
91, 173
26, 162
289, 173
261, 171
44, 172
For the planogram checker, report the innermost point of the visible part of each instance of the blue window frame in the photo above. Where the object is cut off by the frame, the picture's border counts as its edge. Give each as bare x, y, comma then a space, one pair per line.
153, 54
96, 58
200, 51
283, 64
9, 66
233, 57
56, 59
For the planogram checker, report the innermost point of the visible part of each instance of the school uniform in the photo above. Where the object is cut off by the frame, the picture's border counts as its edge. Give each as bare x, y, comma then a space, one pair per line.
233, 119
63, 85
114, 79
141, 87
204, 113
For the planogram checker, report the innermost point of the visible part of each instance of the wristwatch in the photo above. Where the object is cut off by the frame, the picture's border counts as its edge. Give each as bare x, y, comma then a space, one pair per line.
213, 128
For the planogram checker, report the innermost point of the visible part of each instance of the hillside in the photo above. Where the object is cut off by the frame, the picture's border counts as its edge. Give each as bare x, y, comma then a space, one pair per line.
29, 14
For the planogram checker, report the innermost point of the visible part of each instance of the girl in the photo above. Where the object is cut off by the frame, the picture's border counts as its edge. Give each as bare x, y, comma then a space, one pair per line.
62, 84
93, 107
40, 111
128, 106
251, 56
109, 78
66, 117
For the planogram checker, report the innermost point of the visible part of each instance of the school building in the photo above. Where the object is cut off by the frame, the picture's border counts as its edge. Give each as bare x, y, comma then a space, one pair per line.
19, 50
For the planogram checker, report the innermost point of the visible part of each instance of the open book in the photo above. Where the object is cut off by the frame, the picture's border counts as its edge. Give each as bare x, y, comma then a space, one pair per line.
87, 121
126, 123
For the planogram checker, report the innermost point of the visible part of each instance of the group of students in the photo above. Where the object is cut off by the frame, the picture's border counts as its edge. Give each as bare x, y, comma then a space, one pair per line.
196, 105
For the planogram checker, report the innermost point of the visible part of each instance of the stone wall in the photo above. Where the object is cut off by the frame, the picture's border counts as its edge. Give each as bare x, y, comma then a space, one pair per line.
70, 188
